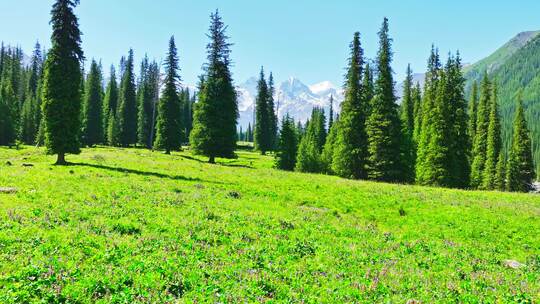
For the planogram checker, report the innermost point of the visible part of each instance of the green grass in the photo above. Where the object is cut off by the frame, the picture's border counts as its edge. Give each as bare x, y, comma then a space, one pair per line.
123, 226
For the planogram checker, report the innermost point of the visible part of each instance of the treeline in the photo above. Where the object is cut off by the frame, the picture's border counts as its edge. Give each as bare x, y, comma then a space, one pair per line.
433, 138
53, 102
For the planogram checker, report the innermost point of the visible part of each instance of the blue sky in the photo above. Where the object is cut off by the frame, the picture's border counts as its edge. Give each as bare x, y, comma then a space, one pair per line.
305, 39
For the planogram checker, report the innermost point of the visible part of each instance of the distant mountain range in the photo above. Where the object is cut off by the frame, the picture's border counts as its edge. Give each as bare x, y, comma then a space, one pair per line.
292, 97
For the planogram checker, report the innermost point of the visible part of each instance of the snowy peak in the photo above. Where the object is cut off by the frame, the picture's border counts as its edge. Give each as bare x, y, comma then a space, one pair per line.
322, 88
291, 97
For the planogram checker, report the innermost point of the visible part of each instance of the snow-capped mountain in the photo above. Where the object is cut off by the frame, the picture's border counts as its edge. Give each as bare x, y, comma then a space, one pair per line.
291, 97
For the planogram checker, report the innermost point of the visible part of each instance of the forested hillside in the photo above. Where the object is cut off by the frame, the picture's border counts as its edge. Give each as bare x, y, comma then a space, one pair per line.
515, 69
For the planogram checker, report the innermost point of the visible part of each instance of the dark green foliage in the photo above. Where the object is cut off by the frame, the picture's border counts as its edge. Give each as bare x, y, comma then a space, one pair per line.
459, 150
472, 111
407, 122
110, 102
368, 88
349, 151
127, 108
407, 104
28, 121
249, 133
147, 95
331, 113
417, 114
443, 149
481, 136
92, 107
169, 128
499, 183
493, 148
62, 81
216, 112
287, 145
520, 171
187, 102
272, 117
113, 130
327, 155
383, 126
519, 72
426, 168
30, 115
263, 137
309, 150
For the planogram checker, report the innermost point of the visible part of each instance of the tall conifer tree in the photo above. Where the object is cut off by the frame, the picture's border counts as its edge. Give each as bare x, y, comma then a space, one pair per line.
287, 146
62, 80
481, 136
309, 150
424, 169
272, 116
110, 102
472, 111
417, 113
147, 96
407, 121
92, 107
169, 128
520, 172
263, 131
349, 151
127, 109
494, 143
216, 112
383, 126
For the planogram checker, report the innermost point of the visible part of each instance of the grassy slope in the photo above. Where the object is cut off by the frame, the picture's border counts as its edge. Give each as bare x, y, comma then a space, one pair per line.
131, 225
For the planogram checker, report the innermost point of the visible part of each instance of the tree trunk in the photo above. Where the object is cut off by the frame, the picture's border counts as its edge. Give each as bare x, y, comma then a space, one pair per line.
61, 160
212, 159
168, 152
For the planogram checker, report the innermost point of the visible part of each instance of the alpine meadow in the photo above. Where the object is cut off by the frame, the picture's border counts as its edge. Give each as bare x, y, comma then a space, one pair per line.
138, 179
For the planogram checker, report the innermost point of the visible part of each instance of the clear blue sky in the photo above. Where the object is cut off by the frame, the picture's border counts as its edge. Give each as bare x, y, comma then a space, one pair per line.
306, 39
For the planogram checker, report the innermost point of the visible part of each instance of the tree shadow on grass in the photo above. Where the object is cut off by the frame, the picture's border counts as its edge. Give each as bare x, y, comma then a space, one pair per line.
231, 164
144, 173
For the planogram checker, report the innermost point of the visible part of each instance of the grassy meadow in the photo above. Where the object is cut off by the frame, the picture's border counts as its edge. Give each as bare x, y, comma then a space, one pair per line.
130, 225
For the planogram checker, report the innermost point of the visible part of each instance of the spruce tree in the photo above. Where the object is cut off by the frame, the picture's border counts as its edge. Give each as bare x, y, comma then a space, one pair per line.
494, 143
331, 113
110, 102
272, 117
309, 150
263, 141
458, 164
383, 125
520, 171
424, 157
249, 133
287, 146
349, 151
417, 114
216, 112
472, 111
500, 177
327, 155
169, 129
481, 136
407, 122
368, 89
127, 110
92, 107
62, 80
113, 130
146, 96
